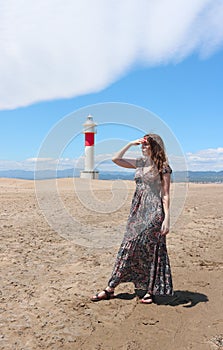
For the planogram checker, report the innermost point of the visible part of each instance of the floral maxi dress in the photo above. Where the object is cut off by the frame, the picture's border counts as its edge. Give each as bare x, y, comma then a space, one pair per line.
142, 257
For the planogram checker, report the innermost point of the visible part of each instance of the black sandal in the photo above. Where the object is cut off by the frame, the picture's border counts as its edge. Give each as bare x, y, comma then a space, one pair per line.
108, 295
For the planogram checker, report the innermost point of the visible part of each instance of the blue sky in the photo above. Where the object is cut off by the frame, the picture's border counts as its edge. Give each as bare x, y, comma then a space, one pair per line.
178, 77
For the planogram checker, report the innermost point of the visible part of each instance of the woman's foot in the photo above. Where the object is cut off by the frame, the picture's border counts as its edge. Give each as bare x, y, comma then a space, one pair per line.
147, 299
106, 294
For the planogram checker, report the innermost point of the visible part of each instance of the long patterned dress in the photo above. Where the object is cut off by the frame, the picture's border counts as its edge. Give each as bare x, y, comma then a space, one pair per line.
142, 257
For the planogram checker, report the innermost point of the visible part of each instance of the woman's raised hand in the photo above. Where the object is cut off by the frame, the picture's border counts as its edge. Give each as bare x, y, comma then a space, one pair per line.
137, 142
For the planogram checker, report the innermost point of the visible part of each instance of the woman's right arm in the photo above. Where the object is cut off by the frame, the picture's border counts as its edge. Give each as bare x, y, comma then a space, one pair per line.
125, 162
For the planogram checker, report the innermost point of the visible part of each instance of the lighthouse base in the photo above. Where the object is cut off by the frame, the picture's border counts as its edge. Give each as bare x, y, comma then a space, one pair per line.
89, 174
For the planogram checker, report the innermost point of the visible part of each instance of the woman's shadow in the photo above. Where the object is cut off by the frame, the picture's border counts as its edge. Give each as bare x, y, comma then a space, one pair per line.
180, 297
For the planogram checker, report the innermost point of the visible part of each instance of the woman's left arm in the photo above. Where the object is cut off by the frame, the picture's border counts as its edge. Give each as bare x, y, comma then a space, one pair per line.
165, 193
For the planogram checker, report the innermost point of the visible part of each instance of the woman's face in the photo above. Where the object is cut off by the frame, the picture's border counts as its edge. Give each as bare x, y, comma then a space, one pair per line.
146, 149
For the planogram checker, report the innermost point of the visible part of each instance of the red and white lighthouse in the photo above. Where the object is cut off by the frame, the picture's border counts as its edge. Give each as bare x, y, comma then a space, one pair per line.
89, 131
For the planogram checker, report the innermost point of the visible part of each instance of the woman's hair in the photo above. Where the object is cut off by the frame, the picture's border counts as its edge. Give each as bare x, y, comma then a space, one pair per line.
158, 154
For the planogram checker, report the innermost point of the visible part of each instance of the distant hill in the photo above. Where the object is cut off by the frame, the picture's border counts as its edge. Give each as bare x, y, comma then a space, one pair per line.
39, 175
198, 176
178, 176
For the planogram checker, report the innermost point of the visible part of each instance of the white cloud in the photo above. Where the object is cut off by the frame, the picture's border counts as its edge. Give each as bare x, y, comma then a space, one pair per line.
59, 49
10, 165
40, 163
208, 159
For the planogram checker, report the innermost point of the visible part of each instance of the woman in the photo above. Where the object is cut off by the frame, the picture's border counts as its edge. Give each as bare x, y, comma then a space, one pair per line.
142, 257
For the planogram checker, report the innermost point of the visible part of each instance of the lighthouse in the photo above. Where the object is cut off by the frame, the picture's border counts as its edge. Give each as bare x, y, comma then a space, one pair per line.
89, 132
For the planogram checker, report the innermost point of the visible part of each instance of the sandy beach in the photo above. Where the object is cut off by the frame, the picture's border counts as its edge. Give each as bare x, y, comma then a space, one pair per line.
47, 278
